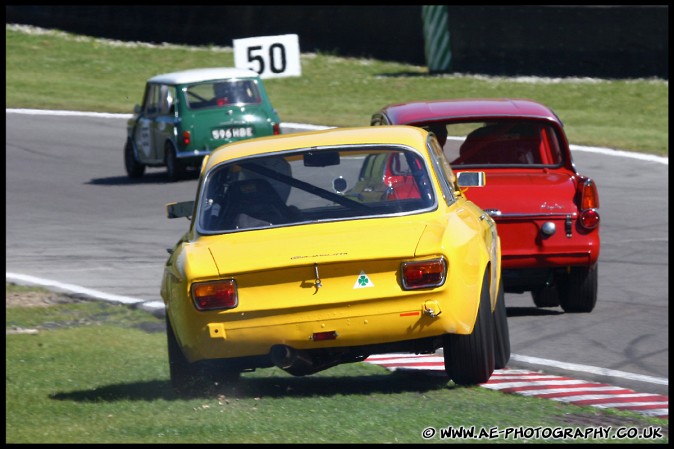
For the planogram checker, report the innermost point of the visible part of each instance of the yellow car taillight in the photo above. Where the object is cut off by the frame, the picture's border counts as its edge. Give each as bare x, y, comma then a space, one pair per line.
215, 295
423, 274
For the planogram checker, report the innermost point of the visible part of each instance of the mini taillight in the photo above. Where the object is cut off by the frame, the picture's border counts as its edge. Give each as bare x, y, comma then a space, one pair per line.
277, 128
187, 137
423, 274
215, 295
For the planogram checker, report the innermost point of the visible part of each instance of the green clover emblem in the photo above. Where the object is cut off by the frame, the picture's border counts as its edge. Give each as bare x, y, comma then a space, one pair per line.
362, 281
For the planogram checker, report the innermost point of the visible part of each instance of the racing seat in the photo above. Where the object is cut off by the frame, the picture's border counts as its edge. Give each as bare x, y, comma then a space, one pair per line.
253, 203
500, 144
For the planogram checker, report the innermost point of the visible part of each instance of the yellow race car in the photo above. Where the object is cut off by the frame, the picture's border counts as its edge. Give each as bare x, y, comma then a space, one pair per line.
296, 258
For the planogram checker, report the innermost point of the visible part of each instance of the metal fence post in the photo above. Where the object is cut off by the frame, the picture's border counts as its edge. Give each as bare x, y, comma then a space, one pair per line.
436, 37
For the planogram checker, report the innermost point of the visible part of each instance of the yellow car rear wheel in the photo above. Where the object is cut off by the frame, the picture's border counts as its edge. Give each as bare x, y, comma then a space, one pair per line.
501, 332
469, 359
189, 378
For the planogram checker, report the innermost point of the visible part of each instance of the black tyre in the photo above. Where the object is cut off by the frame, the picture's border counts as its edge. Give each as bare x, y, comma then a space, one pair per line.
221, 373
469, 359
578, 289
501, 332
192, 378
134, 169
546, 296
174, 168
184, 375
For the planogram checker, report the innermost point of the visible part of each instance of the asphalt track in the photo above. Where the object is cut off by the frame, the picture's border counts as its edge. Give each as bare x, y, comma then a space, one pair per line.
75, 223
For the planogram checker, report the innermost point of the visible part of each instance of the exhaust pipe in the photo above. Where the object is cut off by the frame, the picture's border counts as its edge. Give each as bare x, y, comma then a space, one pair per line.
291, 360
302, 363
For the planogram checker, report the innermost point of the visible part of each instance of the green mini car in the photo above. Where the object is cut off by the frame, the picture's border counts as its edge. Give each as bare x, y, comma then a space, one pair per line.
185, 115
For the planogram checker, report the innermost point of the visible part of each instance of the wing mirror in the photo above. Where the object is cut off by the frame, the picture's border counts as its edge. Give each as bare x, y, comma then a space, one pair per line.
471, 179
181, 209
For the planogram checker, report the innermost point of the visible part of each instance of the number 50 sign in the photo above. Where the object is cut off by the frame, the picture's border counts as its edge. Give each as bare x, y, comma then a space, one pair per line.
269, 56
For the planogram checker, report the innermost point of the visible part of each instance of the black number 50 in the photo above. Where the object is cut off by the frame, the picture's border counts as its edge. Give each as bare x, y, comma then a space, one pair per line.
277, 58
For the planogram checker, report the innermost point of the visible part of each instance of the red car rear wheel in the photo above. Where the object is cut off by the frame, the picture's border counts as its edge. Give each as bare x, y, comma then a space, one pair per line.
578, 289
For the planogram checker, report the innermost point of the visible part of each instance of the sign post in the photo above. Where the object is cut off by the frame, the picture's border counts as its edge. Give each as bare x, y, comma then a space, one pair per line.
269, 56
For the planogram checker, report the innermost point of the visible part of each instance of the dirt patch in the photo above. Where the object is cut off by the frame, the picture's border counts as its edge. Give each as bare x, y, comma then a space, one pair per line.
36, 299
32, 298
108, 313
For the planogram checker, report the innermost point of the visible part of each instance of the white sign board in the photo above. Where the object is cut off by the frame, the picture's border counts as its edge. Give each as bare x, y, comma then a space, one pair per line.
269, 56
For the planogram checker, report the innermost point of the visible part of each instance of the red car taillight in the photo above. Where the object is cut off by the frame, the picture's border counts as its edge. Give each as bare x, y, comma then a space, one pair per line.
423, 274
215, 295
589, 203
187, 137
589, 198
589, 219
277, 128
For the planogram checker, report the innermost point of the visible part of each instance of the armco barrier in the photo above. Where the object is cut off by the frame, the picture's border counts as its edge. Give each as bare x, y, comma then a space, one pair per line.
606, 41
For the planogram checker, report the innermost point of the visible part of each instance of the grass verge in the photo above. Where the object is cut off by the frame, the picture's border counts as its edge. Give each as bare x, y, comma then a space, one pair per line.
92, 372
55, 70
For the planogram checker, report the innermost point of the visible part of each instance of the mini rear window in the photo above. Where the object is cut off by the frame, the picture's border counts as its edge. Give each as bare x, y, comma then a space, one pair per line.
218, 94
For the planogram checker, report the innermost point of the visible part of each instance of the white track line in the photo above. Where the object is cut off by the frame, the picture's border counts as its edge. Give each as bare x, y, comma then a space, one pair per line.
307, 127
158, 306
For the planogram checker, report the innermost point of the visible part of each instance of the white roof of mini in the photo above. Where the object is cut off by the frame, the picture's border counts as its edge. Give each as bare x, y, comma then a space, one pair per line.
206, 74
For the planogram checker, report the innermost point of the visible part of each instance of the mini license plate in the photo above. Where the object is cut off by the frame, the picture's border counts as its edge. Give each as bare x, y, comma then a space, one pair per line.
239, 132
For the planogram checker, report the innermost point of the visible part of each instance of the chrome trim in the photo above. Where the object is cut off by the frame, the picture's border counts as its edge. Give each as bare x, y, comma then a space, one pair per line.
537, 215
201, 231
568, 226
190, 154
318, 283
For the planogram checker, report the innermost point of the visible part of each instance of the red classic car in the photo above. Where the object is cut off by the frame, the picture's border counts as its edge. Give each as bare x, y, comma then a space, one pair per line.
385, 176
546, 212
